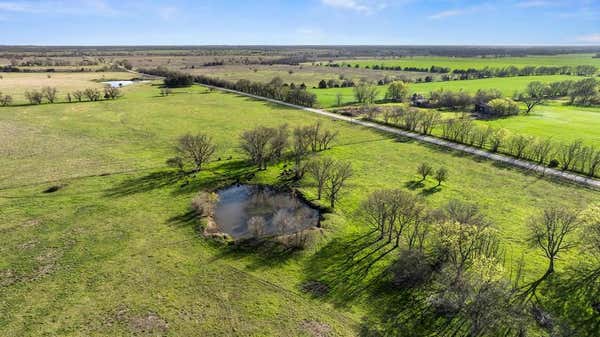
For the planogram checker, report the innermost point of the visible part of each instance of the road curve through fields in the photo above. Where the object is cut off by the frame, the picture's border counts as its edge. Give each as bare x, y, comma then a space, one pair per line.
546, 171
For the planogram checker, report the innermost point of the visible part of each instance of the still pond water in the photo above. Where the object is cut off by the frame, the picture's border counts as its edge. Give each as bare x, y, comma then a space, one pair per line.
247, 211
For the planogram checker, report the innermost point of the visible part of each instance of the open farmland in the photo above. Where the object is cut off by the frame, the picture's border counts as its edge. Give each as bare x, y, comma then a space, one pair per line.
15, 84
61, 267
307, 74
507, 85
478, 62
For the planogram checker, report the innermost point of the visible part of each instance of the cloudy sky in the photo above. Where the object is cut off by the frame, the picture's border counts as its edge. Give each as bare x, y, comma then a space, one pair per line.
114, 22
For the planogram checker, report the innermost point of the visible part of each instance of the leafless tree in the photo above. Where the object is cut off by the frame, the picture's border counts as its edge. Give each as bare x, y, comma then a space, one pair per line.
5, 100
78, 95
339, 174
549, 231
111, 92
49, 93
320, 170
196, 148
92, 94
429, 120
424, 170
568, 153
34, 96
263, 144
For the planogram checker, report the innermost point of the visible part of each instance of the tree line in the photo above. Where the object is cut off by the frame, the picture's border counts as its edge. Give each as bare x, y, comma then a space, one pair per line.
50, 95
486, 72
574, 156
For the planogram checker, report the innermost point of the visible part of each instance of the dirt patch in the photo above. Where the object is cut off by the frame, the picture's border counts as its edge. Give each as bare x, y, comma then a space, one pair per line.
28, 245
48, 264
7, 277
315, 328
315, 288
31, 223
148, 324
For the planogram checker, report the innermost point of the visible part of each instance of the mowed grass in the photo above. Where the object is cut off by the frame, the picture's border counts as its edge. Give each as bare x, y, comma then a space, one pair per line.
479, 62
116, 251
554, 120
507, 85
15, 84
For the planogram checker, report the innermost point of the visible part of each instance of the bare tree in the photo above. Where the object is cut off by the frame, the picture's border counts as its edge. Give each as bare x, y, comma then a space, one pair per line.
549, 232
196, 148
568, 153
336, 180
34, 96
111, 92
92, 94
78, 95
424, 170
320, 170
257, 144
5, 100
541, 150
429, 120
49, 93
441, 175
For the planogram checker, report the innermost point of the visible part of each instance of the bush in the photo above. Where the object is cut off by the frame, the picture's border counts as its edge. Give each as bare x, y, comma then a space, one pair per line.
504, 106
411, 269
553, 163
177, 80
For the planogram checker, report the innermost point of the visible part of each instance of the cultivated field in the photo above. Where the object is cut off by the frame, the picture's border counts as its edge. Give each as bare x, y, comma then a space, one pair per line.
15, 84
116, 250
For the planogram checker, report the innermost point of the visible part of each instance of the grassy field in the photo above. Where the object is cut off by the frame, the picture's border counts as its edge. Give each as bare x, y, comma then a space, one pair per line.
507, 85
556, 121
15, 84
479, 62
116, 250
306, 74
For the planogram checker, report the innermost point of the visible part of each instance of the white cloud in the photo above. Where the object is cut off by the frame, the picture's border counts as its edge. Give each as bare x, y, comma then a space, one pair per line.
460, 11
85, 7
534, 3
361, 6
446, 14
590, 38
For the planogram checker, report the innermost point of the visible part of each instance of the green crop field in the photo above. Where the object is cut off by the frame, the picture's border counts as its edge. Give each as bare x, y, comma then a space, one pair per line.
116, 250
479, 62
507, 85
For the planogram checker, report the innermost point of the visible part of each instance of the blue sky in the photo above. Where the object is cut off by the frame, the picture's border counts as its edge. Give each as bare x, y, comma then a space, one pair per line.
125, 22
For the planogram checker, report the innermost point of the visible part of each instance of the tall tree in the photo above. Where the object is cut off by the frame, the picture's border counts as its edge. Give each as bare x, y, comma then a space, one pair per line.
196, 148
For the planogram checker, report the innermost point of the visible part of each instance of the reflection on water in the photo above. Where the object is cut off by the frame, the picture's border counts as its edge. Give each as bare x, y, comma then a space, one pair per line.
118, 84
247, 211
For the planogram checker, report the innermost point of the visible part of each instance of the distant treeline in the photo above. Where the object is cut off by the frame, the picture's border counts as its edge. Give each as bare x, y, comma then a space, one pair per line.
13, 69
275, 89
473, 73
314, 52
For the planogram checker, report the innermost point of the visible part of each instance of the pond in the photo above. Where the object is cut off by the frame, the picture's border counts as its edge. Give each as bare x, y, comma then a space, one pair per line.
118, 84
248, 211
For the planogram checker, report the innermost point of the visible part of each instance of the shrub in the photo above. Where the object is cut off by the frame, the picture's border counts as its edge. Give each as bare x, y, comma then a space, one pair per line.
504, 106
411, 269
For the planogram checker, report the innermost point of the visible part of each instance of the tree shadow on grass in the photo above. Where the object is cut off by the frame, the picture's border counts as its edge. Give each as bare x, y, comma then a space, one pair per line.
215, 176
261, 253
430, 191
414, 184
348, 266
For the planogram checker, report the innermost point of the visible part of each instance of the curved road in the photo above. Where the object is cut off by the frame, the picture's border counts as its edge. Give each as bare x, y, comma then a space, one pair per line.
589, 182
